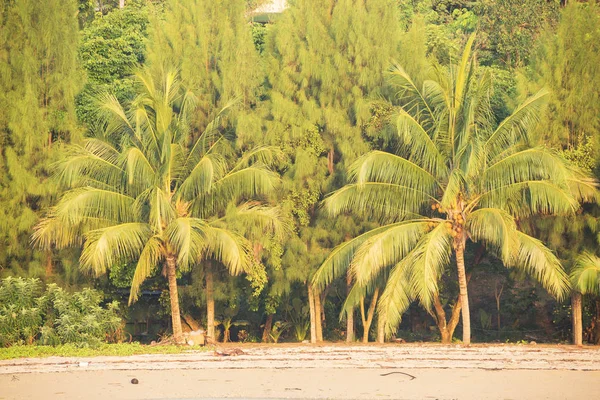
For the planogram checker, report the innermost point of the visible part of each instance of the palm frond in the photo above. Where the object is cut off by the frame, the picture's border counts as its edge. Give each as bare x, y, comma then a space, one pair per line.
117, 243
530, 197
516, 126
81, 204
537, 260
396, 296
150, 257
385, 201
427, 262
495, 229
586, 274
337, 262
188, 238
249, 182
202, 177
421, 147
229, 248
256, 221
386, 249
380, 166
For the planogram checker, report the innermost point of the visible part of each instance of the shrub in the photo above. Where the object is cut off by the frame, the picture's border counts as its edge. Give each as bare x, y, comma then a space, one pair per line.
54, 316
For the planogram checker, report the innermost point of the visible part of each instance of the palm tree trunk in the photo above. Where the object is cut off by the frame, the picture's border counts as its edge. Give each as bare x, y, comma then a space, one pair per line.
446, 327
577, 320
49, 266
174, 297
318, 316
380, 328
369, 318
210, 302
121, 3
349, 313
464, 297
266, 336
313, 322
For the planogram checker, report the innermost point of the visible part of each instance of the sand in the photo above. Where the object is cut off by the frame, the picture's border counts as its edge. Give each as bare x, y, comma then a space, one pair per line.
356, 372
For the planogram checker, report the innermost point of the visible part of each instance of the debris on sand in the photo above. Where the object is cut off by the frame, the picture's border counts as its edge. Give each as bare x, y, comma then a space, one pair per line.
227, 353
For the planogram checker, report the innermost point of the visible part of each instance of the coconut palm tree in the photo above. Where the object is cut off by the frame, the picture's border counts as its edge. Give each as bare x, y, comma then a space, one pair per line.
147, 189
456, 176
585, 279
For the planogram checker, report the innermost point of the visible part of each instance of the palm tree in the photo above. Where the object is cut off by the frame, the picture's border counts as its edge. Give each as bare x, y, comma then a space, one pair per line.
143, 189
585, 279
455, 177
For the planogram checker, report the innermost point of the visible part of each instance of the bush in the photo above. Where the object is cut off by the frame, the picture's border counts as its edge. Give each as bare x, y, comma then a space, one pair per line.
54, 316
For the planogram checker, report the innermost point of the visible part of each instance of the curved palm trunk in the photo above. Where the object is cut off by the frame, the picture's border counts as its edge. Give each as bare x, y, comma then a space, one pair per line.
174, 297
464, 297
210, 302
446, 327
349, 313
577, 320
368, 319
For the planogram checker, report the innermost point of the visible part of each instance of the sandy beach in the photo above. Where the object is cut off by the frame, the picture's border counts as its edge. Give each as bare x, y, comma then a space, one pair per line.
319, 372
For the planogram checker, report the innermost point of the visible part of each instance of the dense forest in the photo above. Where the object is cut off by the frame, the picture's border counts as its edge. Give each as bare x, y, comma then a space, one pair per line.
344, 170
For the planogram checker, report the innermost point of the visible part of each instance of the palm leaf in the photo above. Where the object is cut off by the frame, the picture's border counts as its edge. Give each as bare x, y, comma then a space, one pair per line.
150, 257
427, 262
386, 249
537, 260
586, 274
107, 246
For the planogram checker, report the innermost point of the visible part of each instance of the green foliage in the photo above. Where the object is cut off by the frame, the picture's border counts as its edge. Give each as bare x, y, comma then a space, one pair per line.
20, 311
456, 176
299, 318
510, 28
39, 77
566, 63
211, 44
55, 316
112, 47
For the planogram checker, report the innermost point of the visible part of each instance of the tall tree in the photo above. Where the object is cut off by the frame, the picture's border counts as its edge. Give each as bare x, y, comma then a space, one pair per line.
456, 177
39, 78
566, 62
325, 64
137, 193
112, 47
210, 43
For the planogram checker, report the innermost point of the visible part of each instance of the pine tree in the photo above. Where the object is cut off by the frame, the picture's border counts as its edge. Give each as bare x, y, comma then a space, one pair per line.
325, 64
211, 43
39, 78
567, 63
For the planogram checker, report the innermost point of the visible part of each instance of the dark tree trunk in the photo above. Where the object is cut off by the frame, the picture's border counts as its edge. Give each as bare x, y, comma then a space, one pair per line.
266, 336
174, 297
